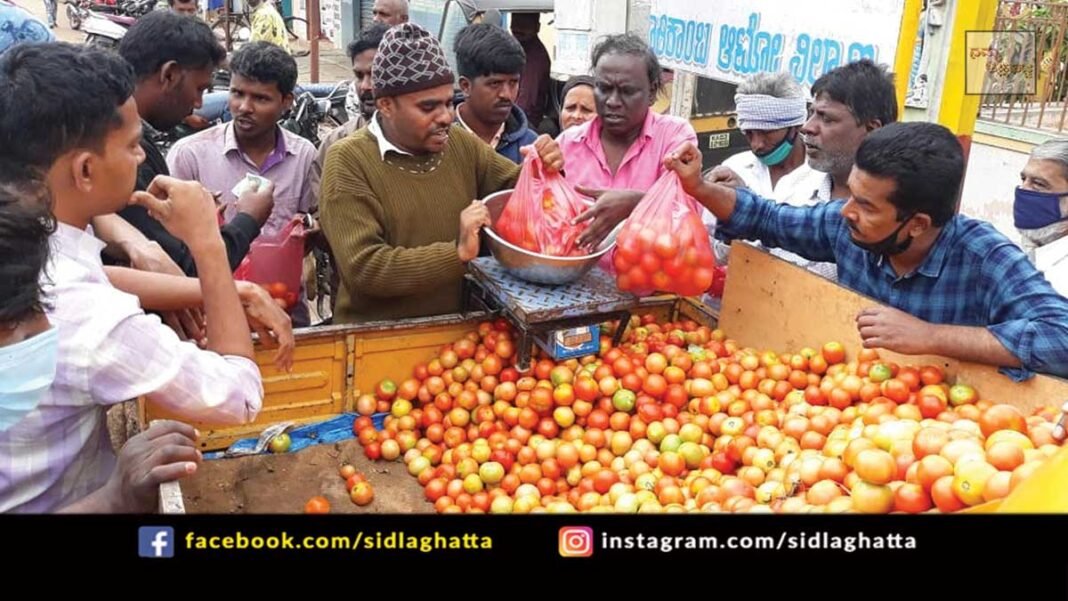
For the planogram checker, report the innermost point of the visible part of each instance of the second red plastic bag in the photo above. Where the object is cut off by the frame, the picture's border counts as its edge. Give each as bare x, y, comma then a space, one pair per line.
663, 245
277, 263
539, 213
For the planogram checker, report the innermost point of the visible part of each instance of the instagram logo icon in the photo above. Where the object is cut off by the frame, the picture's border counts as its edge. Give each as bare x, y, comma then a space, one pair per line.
576, 541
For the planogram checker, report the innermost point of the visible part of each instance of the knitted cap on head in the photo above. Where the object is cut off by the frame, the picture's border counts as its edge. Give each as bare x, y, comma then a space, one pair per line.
409, 59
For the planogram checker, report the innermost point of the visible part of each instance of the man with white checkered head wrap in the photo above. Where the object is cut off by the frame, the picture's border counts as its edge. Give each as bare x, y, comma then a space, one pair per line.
772, 107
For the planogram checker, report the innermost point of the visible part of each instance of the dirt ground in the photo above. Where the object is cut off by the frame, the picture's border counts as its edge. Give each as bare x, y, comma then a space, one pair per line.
284, 483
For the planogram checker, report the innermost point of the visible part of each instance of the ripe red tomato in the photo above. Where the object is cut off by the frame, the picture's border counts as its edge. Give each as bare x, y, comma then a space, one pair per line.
277, 289
353, 480
373, 450
586, 389
655, 385
930, 374
666, 246
896, 390
650, 263
833, 352
628, 250
317, 505
943, 496
930, 406
1002, 417
910, 376
362, 494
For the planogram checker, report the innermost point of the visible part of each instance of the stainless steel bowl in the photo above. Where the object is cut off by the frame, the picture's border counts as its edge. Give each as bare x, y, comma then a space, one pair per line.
536, 267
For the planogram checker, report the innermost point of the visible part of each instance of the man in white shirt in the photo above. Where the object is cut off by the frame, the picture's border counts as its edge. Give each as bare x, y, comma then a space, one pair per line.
108, 349
847, 104
1040, 211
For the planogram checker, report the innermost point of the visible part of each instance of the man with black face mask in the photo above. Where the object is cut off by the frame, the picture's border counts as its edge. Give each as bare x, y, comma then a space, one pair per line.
952, 285
1041, 211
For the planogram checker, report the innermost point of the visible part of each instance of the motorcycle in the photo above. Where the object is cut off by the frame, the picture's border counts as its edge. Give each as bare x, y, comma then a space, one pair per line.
312, 112
78, 10
106, 30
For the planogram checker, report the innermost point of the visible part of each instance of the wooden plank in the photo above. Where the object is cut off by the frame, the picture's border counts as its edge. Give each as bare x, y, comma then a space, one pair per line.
775, 305
393, 354
313, 390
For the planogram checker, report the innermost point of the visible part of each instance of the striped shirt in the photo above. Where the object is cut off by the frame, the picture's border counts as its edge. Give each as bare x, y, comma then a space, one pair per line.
110, 351
972, 276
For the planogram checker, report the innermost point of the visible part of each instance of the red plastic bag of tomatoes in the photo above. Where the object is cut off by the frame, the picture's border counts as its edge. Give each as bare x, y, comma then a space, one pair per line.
539, 213
663, 245
277, 263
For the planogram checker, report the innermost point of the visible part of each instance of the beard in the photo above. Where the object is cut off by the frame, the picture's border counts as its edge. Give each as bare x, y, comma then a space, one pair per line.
1032, 239
831, 162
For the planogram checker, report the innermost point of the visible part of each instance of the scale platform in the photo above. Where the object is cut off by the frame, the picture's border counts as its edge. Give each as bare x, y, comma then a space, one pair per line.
538, 310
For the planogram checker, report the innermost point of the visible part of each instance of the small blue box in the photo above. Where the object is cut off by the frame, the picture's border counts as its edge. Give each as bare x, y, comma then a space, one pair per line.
573, 342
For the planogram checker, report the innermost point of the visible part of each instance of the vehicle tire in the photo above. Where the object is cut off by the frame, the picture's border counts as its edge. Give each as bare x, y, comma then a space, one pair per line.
99, 41
74, 17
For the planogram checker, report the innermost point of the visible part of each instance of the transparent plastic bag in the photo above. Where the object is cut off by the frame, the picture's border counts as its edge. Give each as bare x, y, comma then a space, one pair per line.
664, 245
539, 213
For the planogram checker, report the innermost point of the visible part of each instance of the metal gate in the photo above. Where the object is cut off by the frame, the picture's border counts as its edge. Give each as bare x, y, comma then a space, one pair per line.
1046, 109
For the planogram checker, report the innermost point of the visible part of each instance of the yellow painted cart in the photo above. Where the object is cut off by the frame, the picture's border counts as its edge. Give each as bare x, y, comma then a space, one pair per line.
775, 306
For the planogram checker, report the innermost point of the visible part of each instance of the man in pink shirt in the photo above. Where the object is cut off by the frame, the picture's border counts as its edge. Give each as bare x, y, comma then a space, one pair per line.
618, 155
108, 350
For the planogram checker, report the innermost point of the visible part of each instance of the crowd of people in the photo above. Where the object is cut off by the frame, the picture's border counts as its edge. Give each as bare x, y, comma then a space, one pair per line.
118, 259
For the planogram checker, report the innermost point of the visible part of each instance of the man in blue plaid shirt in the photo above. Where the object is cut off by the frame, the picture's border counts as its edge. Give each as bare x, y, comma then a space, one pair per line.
954, 286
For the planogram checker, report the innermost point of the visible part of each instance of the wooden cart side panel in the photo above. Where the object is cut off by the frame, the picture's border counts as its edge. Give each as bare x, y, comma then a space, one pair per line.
314, 389
393, 353
772, 304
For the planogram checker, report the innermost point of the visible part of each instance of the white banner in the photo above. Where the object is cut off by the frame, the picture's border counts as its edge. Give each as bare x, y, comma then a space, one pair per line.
730, 39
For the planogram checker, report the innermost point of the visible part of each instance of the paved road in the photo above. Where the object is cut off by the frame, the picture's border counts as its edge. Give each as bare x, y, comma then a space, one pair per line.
334, 65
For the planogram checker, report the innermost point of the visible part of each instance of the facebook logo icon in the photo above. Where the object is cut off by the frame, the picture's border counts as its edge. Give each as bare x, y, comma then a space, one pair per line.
155, 541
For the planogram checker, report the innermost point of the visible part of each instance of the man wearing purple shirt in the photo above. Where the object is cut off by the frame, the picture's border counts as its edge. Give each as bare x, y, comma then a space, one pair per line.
107, 349
221, 158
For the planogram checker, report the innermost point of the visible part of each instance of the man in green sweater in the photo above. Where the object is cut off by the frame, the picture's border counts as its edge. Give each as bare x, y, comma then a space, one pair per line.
396, 201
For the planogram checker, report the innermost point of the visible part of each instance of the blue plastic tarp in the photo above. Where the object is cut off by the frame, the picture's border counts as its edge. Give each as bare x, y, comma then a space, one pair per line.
325, 432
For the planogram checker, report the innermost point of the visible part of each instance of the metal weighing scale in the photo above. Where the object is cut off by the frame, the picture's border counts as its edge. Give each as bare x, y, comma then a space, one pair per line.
537, 311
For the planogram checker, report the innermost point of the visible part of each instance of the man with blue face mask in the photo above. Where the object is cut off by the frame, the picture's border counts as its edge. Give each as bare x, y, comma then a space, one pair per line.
1040, 211
29, 355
